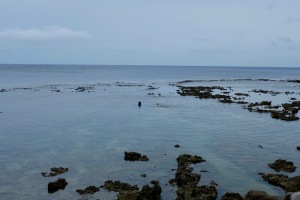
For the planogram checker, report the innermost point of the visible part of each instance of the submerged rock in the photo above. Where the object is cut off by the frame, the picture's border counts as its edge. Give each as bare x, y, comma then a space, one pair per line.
60, 184
187, 181
150, 193
197, 193
88, 190
259, 195
283, 181
134, 156
55, 171
231, 196
177, 146
282, 165
118, 186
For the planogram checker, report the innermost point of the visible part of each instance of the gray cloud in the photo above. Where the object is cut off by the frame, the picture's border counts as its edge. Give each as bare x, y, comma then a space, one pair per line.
44, 34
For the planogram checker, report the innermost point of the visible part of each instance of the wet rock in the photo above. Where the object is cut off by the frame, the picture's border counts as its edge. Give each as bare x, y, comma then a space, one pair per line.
150, 193
259, 195
3, 90
55, 171
298, 148
83, 89
177, 146
60, 184
134, 156
227, 100
187, 181
186, 159
242, 94
118, 186
231, 196
284, 115
144, 175
88, 190
197, 193
283, 181
282, 165
260, 146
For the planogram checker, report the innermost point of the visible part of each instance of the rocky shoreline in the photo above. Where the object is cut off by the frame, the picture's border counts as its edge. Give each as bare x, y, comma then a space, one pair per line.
186, 182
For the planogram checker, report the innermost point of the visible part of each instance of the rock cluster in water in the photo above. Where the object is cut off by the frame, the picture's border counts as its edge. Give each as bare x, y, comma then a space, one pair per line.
286, 111
55, 171
282, 165
187, 181
60, 184
129, 192
88, 190
134, 156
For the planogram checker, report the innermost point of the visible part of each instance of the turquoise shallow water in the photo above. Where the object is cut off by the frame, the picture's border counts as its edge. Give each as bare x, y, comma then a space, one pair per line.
88, 132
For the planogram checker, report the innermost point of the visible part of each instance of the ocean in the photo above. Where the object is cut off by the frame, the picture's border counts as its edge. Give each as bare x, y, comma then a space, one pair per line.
48, 120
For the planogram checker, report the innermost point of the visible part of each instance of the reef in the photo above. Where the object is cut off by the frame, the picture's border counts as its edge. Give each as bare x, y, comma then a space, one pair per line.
286, 111
129, 192
88, 190
187, 181
283, 181
55, 171
134, 156
232, 196
282, 165
60, 184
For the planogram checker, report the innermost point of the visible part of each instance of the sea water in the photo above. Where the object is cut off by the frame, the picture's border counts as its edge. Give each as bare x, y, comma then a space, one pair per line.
45, 122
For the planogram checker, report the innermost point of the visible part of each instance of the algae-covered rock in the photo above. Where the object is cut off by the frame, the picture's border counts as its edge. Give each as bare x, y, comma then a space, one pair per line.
88, 190
283, 181
282, 165
259, 195
60, 184
55, 171
231, 196
134, 156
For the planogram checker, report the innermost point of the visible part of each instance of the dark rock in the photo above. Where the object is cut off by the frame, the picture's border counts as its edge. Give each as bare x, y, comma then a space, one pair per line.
88, 190
60, 184
3, 90
134, 156
282, 165
242, 94
283, 181
231, 196
118, 186
150, 193
259, 195
226, 100
143, 175
55, 171
197, 193
186, 159
298, 148
177, 146
260, 146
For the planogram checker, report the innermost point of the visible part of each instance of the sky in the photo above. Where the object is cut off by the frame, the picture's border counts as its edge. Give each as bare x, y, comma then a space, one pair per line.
151, 32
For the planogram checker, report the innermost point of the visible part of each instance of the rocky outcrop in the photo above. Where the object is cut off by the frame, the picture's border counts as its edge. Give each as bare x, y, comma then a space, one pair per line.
60, 184
55, 171
187, 181
88, 190
231, 196
283, 181
282, 165
259, 195
134, 156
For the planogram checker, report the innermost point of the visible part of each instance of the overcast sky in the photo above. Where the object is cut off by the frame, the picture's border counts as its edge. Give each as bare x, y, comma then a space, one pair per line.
151, 32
